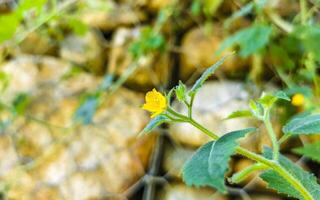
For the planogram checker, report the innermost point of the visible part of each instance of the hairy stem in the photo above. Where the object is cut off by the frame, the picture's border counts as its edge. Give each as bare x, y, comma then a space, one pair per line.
242, 175
272, 135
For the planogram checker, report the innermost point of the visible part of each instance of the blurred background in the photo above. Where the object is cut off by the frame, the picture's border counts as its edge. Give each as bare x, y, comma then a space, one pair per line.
73, 75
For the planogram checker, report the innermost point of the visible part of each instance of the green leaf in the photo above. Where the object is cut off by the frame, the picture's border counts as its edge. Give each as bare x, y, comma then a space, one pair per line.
311, 151
308, 35
209, 163
155, 122
9, 24
77, 26
206, 74
267, 100
250, 39
240, 113
181, 92
282, 95
256, 109
278, 183
210, 6
303, 125
195, 170
220, 155
20, 103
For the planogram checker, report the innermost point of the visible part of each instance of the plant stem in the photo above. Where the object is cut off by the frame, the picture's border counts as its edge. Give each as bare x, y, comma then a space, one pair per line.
242, 175
260, 159
203, 129
272, 135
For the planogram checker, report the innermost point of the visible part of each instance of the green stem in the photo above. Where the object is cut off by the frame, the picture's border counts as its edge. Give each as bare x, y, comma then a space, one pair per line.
244, 174
272, 135
260, 159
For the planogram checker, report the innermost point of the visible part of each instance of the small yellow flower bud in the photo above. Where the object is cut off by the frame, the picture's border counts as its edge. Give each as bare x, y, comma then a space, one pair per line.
297, 99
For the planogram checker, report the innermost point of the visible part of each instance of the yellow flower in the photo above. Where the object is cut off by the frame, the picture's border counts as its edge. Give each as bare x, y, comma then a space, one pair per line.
156, 103
297, 99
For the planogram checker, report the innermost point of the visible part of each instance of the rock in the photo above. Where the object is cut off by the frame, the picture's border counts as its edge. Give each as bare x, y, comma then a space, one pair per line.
116, 16
22, 73
153, 70
214, 102
26, 72
174, 159
8, 156
86, 51
198, 53
43, 44
54, 166
45, 193
83, 186
182, 192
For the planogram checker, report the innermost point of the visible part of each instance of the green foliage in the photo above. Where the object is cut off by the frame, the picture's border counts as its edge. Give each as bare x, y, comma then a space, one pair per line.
240, 113
4, 81
206, 74
256, 109
303, 125
20, 103
311, 151
148, 41
207, 167
210, 6
195, 171
278, 183
155, 122
250, 39
10, 22
181, 92
77, 26
308, 35
220, 154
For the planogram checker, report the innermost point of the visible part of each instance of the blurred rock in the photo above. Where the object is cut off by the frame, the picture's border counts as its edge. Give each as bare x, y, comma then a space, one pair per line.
8, 155
83, 186
26, 72
43, 44
86, 51
286, 8
214, 102
152, 71
109, 19
182, 192
174, 159
198, 53
54, 166
45, 193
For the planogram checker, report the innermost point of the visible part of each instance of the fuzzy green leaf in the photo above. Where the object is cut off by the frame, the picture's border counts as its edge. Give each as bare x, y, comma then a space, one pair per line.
220, 154
209, 164
240, 113
278, 183
206, 74
311, 151
181, 92
154, 123
250, 39
195, 171
303, 125
256, 109
282, 95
